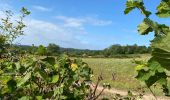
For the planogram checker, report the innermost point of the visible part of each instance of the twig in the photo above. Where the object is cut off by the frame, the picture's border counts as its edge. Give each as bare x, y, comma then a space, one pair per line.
94, 92
153, 93
99, 94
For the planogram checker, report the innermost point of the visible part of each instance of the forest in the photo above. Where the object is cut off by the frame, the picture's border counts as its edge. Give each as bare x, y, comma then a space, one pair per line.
112, 51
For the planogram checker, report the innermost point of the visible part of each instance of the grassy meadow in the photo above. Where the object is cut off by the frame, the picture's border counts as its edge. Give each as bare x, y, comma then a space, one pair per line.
122, 67
124, 70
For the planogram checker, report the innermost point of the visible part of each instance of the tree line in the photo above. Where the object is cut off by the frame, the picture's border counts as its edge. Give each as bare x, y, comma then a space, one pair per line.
52, 49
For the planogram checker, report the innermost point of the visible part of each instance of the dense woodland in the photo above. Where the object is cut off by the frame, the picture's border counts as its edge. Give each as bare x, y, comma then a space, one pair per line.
112, 51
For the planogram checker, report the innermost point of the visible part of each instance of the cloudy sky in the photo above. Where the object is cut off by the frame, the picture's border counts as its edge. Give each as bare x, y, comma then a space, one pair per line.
83, 24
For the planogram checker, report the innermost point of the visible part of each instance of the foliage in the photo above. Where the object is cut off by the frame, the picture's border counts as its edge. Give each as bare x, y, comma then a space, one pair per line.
129, 96
114, 51
37, 77
157, 68
10, 29
53, 49
44, 77
42, 51
129, 49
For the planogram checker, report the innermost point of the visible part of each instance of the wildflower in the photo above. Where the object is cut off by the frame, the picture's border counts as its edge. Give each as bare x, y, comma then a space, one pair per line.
74, 66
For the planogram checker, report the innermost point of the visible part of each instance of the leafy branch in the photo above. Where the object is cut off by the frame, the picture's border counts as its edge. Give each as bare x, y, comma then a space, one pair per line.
157, 68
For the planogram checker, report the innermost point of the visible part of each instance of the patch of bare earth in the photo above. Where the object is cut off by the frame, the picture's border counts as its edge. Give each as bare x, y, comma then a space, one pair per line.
124, 93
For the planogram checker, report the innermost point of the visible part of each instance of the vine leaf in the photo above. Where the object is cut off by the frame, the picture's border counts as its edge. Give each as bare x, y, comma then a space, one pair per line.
158, 66
43, 74
25, 11
12, 85
55, 78
49, 60
132, 4
158, 77
155, 73
144, 28
24, 98
24, 79
163, 10
161, 50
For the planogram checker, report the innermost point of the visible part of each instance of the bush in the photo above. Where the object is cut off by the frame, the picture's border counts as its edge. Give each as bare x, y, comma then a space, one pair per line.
44, 78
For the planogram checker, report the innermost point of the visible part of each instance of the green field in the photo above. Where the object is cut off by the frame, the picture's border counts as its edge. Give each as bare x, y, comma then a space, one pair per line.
124, 69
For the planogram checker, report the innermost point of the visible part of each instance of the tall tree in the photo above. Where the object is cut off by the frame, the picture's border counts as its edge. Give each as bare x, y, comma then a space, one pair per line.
41, 50
53, 49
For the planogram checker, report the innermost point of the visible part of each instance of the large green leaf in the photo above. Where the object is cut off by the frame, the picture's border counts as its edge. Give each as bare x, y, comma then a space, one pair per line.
24, 79
12, 85
163, 10
50, 60
155, 73
158, 77
148, 26
132, 4
161, 50
144, 28
25, 98
55, 78
43, 74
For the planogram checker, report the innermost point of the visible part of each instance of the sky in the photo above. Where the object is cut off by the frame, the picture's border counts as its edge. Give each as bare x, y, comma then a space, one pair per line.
81, 24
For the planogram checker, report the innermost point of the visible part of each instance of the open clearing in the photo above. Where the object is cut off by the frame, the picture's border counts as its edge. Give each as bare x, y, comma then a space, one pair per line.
124, 70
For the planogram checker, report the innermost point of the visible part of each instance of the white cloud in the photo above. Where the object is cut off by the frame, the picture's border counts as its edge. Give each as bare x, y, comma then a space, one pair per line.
43, 32
68, 33
80, 22
41, 8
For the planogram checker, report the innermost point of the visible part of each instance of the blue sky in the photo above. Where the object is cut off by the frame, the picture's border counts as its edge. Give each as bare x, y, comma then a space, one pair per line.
83, 24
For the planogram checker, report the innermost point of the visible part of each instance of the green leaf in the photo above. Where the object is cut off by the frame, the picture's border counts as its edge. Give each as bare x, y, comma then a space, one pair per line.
161, 50
132, 4
43, 74
56, 66
24, 98
55, 78
18, 66
24, 79
143, 75
25, 11
39, 98
166, 89
163, 10
144, 28
158, 77
149, 26
50, 60
12, 85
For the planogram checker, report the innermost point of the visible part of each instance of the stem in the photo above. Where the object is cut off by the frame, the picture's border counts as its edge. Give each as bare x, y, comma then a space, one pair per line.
153, 93
99, 94
96, 87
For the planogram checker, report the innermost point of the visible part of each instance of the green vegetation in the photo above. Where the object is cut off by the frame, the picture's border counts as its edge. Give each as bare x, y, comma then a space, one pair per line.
118, 72
26, 76
53, 49
156, 70
29, 72
114, 51
44, 78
